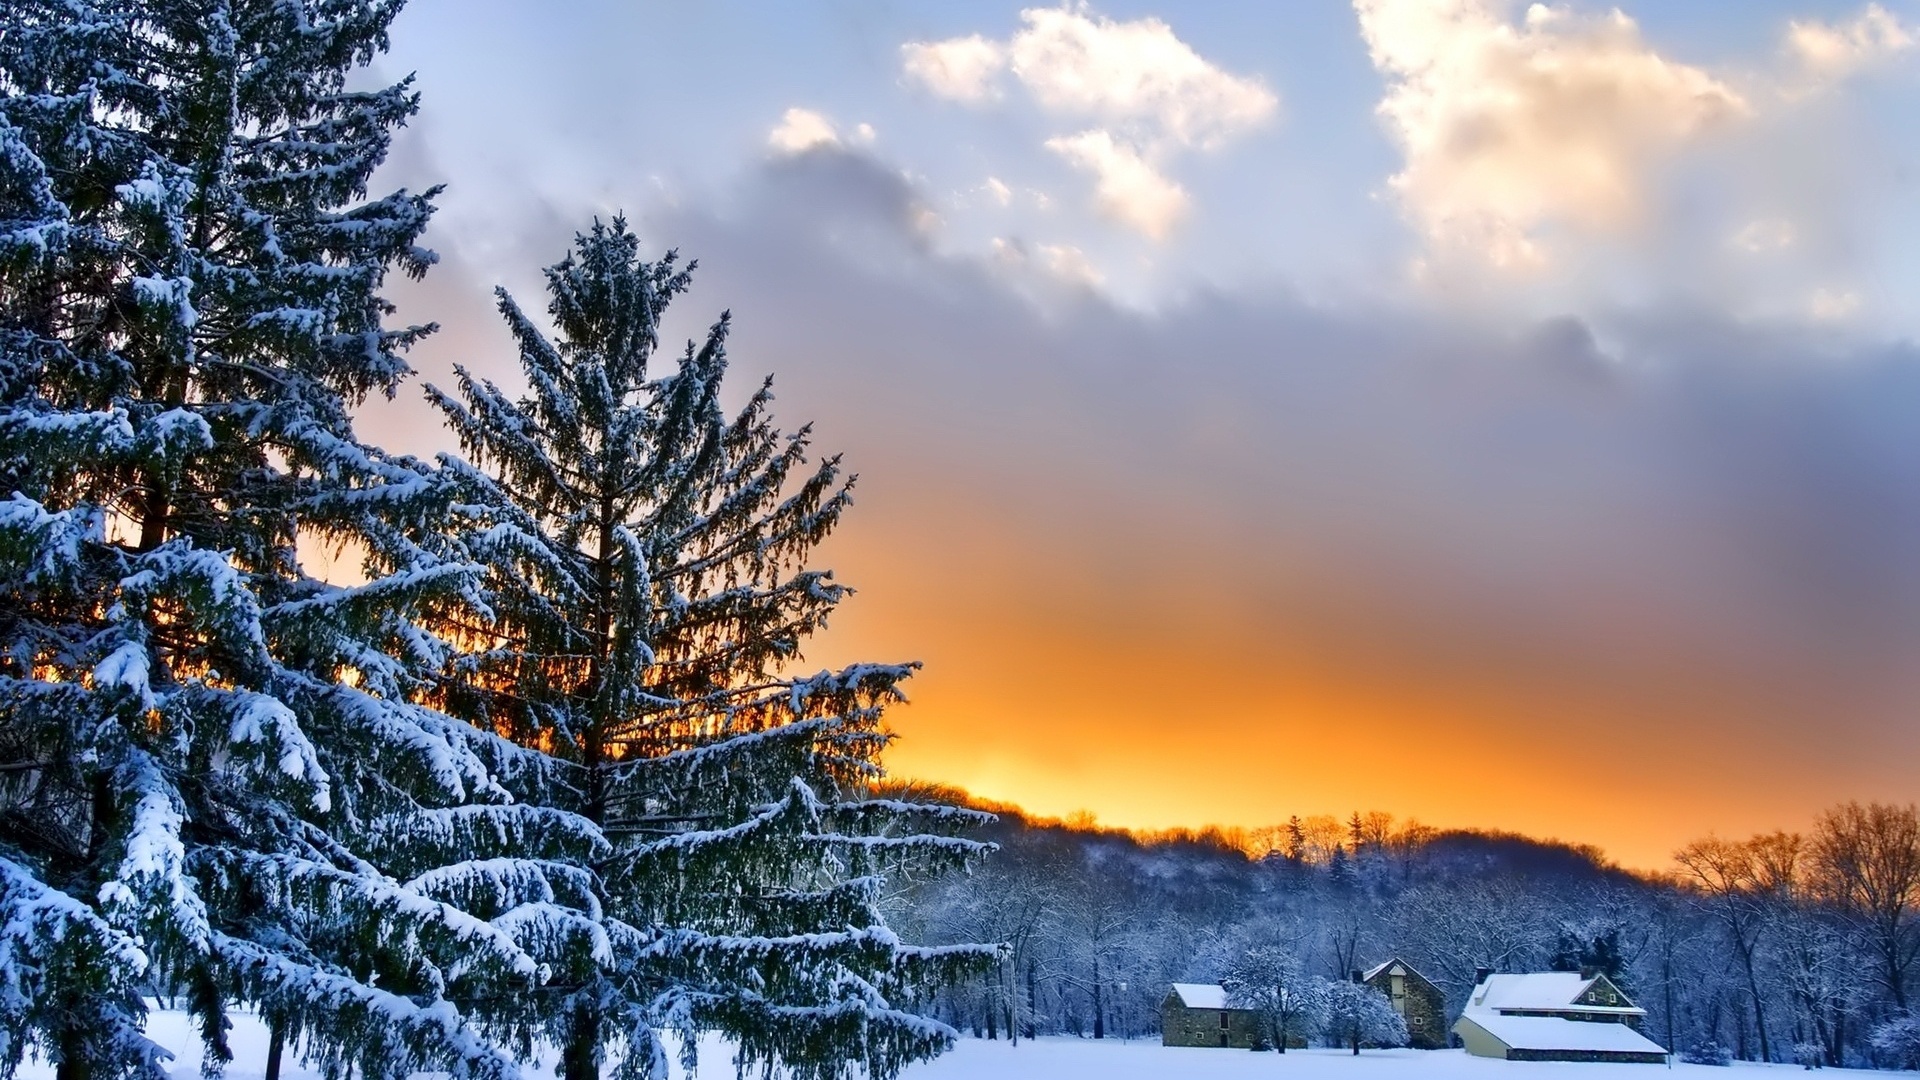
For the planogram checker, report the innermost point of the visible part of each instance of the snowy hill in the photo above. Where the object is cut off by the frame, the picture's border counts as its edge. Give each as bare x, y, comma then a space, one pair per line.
1079, 1059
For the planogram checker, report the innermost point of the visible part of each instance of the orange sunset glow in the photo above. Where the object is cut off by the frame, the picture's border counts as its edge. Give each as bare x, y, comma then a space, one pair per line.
1222, 509
1189, 710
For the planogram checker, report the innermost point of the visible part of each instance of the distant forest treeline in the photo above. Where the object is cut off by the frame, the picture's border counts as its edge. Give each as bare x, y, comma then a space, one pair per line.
1785, 947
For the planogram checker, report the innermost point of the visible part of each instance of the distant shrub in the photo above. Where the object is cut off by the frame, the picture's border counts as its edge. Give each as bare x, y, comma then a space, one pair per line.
1809, 1055
1709, 1052
1897, 1042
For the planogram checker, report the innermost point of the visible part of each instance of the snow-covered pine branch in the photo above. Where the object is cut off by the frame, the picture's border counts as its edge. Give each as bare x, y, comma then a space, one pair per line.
198, 734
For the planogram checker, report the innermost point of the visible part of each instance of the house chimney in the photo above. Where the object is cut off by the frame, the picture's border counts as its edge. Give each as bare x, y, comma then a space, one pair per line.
1480, 975
1356, 975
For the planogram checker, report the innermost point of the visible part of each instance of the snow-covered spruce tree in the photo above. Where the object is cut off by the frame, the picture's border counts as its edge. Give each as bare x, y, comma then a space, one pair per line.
650, 596
208, 759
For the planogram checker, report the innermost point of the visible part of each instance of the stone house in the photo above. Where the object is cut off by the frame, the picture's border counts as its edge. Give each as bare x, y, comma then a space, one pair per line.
1555, 1016
1197, 1014
1415, 998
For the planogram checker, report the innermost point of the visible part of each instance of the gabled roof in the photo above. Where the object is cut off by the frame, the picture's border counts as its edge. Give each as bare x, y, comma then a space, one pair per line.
1558, 1033
1367, 975
1202, 995
1543, 991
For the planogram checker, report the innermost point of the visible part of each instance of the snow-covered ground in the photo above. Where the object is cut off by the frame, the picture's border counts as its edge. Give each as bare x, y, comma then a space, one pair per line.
1074, 1059
1085, 1059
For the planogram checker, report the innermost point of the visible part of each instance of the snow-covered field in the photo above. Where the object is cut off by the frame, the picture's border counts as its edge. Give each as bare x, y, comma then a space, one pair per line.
1083, 1059
1077, 1059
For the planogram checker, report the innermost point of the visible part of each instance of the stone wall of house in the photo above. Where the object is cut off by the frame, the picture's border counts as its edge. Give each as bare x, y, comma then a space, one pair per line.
1181, 1026
1623, 1056
1425, 1010
1419, 1003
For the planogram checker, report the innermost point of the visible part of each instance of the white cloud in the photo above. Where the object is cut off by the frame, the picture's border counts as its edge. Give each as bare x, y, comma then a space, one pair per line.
960, 69
1001, 193
1070, 264
1833, 305
1828, 51
1133, 73
1508, 129
801, 130
1148, 93
1128, 188
1062, 262
1767, 234
864, 133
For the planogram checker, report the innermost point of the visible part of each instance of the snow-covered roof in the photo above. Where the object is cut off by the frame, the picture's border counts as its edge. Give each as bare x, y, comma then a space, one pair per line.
1541, 991
1391, 961
1202, 995
1556, 1033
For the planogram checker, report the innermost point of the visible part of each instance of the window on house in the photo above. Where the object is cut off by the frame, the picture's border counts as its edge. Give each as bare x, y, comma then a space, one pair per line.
1419, 1021
1223, 1020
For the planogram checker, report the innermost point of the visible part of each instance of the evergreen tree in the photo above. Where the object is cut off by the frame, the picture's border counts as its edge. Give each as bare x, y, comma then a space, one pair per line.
649, 596
1341, 869
211, 762
1597, 952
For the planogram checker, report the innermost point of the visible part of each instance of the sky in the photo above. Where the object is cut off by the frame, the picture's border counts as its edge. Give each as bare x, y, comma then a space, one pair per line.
1505, 416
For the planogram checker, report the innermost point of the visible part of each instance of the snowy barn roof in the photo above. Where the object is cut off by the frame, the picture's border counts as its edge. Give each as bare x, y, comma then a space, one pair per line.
1202, 995
1542, 991
1558, 1033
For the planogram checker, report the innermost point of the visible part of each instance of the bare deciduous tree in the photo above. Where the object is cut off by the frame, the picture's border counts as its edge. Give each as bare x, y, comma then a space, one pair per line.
1867, 861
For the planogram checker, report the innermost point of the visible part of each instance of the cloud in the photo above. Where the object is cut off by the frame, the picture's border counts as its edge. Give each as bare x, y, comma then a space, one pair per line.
1149, 95
801, 130
1133, 73
1062, 264
1833, 305
1129, 189
959, 69
1767, 234
1512, 129
1069, 264
1828, 52
1690, 531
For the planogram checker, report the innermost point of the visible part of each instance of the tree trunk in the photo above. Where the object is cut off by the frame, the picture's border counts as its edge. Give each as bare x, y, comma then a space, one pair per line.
1033, 998
102, 811
1896, 971
156, 505
1099, 1011
1009, 1000
276, 1042
579, 1060
1666, 967
1759, 1014
74, 1063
